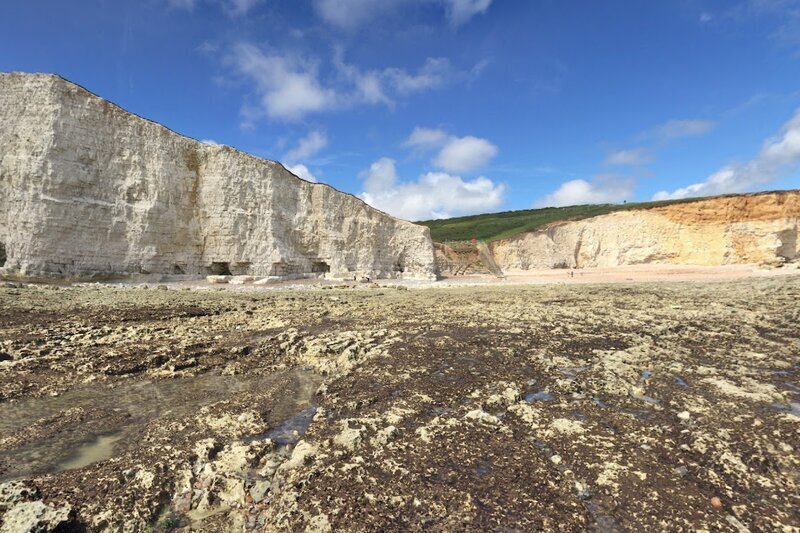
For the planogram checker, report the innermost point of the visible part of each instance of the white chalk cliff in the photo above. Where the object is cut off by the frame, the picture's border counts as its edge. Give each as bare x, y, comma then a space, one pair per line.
752, 228
89, 188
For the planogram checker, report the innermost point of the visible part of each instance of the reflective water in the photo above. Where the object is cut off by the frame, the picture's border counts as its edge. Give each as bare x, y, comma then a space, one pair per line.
289, 431
791, 407
681, 382
93, 424
541, 396
99, 450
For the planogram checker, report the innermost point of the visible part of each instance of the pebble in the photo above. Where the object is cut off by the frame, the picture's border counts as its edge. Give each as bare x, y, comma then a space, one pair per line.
556, 459
684, 415
716, 502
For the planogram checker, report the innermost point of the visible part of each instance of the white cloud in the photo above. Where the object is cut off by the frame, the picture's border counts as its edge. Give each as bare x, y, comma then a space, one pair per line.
675, 129
460, 11
302, 172
352, 14
464, 154
426, 138
633, 156
288, 86
779, 156
307, 146
604, 189
381, 176
433, 195
212, 142
456, 154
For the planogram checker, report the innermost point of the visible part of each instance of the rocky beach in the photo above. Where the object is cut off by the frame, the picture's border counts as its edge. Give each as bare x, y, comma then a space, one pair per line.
626, 406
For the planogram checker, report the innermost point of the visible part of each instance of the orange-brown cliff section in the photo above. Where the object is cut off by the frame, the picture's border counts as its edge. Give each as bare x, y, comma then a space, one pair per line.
734, 208
744, 229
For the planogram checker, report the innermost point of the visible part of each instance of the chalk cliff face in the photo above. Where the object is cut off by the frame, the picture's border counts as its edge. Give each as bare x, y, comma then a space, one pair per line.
755, 228
88, 188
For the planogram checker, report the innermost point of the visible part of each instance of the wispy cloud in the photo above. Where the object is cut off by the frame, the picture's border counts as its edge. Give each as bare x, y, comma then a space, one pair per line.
602, 189
460, 11
307, 146
353, 14
779, 156
780, 19
291, 86
240, 7
655, 138
630, 157
383, 86
432, 195
234, 8
181, 4
678, 128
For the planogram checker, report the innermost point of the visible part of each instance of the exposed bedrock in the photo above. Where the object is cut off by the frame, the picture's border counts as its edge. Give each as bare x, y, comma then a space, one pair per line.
88, 188
754, 228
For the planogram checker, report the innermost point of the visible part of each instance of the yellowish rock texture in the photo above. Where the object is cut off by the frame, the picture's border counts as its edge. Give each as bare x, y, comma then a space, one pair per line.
88, 188
754, 228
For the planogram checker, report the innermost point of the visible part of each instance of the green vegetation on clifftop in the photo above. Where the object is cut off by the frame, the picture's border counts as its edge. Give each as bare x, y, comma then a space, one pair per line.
494, 226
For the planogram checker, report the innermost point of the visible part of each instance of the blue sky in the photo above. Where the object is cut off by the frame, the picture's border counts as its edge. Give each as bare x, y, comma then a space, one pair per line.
430, 108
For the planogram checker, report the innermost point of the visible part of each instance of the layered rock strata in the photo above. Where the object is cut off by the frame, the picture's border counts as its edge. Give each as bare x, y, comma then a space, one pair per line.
87, 188
753, 228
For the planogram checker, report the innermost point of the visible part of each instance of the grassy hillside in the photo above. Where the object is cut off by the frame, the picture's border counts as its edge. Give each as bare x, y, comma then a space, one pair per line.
493, 226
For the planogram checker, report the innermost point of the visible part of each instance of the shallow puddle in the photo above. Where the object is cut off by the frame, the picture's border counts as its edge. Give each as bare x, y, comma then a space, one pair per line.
289, 431
541, 396
791, 407
100, 450
94, 424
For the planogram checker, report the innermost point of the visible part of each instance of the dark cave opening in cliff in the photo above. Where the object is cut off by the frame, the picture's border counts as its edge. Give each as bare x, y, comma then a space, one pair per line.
320, 267
219, 268
2, 254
